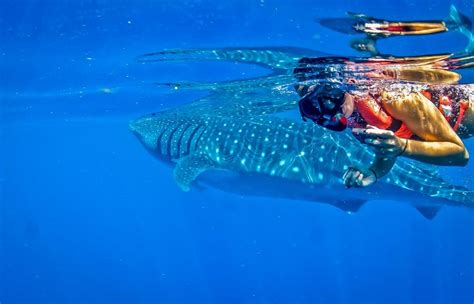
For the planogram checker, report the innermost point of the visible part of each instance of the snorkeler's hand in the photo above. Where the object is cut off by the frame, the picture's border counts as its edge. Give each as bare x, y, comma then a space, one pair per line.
358, 178
383, 142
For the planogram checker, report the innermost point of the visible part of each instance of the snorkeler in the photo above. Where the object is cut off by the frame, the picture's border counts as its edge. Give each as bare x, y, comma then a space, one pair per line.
375, 28
426, 126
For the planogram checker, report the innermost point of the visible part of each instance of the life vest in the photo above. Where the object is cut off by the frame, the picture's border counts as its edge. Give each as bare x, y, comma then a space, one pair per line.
371, 112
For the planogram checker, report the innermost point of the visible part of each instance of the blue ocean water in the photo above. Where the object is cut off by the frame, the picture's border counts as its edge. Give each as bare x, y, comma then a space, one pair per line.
87, 216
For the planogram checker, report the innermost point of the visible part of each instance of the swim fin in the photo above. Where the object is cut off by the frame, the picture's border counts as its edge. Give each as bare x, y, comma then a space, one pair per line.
346, 25
457, 21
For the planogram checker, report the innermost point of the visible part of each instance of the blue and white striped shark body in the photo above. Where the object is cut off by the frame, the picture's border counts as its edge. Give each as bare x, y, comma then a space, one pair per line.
272, 156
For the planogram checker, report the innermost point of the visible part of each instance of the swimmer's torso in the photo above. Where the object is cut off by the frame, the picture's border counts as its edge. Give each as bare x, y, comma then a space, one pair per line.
453, 102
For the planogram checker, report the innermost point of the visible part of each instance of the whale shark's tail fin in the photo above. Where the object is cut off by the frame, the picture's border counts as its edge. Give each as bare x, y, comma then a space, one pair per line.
461, 23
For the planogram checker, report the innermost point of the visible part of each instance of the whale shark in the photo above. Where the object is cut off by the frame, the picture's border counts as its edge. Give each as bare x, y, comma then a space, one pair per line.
275, 156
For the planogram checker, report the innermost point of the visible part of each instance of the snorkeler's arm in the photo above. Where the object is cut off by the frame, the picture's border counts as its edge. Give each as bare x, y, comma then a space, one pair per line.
356, 177
382, 165
440, 145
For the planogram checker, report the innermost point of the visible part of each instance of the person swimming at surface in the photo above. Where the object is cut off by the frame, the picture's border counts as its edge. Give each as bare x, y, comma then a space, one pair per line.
375, 28
423, 125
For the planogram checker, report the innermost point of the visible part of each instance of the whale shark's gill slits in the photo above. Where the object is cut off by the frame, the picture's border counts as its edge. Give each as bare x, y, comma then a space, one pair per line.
170, 128
185, 140
177, 140
158, 141
191, 141
170, 146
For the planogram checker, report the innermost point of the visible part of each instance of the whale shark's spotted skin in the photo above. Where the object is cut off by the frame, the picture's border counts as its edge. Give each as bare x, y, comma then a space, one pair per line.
279, 148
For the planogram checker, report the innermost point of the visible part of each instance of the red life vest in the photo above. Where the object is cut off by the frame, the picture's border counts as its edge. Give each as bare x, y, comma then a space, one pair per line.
371, 112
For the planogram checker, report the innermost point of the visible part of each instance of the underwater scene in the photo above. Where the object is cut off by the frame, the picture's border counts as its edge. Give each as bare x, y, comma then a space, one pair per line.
256, 151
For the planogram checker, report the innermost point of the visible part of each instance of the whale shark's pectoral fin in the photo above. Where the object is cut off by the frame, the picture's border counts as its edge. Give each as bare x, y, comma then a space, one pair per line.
189, 167
350, 205
429, 212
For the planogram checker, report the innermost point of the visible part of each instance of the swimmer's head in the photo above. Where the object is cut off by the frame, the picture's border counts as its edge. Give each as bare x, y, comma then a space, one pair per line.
328, 106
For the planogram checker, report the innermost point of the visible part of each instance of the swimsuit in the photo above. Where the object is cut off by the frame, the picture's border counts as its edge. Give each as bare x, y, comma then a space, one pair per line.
452, 102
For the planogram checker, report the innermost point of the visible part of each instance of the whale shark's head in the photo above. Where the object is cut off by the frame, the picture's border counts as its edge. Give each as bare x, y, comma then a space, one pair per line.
148, 128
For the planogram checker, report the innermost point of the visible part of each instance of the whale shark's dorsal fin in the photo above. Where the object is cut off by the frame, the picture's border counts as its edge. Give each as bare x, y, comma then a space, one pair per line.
189, 167
429, 212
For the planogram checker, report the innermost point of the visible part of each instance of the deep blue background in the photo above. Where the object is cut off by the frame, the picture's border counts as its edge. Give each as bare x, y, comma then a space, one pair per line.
88, 216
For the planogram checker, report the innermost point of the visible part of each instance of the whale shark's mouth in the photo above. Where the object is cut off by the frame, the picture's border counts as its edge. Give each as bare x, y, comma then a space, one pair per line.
145, 129
137, 127
132, 125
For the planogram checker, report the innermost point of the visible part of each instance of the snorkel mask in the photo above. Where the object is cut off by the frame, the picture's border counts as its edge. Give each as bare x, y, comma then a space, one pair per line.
323, 106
